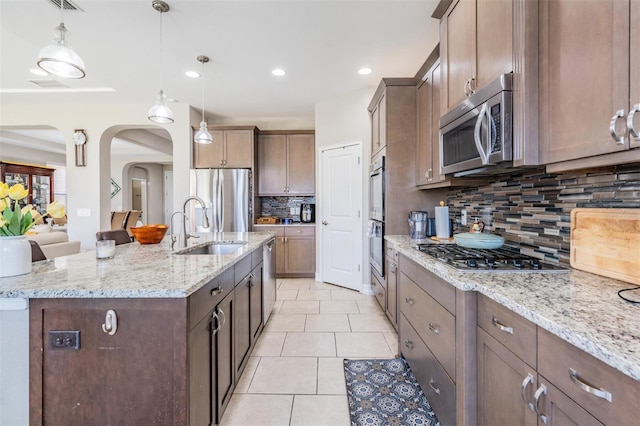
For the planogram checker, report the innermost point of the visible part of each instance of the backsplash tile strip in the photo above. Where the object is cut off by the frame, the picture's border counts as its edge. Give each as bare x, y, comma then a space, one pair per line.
280, 206
531, 208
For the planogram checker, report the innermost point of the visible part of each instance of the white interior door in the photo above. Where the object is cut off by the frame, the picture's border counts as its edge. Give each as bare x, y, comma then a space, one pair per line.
341, 218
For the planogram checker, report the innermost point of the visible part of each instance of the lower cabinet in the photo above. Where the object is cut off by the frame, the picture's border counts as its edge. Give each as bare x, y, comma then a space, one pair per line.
527, 376
295, 251
168, 360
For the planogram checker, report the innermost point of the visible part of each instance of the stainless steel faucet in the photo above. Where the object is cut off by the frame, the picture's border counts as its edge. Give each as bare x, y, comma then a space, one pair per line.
184, 235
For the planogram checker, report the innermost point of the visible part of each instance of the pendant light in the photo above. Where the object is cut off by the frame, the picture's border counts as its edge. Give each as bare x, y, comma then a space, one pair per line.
59, 58
160, 112
203, 136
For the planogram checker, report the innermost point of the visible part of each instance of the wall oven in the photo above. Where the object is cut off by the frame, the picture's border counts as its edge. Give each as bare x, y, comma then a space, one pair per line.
376, 215
476, 136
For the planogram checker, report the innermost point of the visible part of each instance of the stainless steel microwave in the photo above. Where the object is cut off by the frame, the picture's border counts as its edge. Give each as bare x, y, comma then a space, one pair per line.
476, 136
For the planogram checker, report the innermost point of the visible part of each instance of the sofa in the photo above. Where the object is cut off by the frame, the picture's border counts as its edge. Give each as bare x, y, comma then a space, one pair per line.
55, 244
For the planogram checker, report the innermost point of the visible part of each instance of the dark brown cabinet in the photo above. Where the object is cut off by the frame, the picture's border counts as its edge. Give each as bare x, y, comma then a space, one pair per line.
286, 164
231, 148
38, 180
167, 361
590, 68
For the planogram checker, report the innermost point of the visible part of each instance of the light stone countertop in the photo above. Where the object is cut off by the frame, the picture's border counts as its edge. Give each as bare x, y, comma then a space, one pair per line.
136, 270
582, 308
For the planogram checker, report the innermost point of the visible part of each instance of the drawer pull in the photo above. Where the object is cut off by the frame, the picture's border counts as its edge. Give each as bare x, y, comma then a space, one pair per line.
409, 300
433, 327
408, 344
216, 291
434, 385
523, 390
502, 327
599, 392
542, 390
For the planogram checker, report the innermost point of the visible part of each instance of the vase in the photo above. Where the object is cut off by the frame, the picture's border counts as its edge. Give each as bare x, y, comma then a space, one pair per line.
15, 256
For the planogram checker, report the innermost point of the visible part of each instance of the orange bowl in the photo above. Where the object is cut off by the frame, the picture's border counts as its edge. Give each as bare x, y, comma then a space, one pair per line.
149, 234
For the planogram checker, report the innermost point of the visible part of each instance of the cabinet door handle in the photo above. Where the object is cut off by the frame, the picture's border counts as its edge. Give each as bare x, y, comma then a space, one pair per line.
542, 390
472, 86
593, 390
612, 127
434, 385
224, 318
215, 330
394, 268
110, 325
633, 132
409, 301
523, 390
501, 327
408, 344
433, 327
466, 88
216, 291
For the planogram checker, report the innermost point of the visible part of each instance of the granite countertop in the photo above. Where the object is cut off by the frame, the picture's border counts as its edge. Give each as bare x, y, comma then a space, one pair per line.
136, 270
582, 308
284, 224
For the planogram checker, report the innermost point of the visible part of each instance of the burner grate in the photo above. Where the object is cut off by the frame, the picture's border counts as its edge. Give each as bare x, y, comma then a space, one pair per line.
501, 259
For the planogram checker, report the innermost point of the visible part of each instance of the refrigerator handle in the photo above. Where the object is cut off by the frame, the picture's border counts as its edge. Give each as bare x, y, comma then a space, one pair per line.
218, 208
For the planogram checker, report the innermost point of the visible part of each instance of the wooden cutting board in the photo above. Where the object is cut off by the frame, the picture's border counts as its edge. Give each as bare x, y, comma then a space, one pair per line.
606, 242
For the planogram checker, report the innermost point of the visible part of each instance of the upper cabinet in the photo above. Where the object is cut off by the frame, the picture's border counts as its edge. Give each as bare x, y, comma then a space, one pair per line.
231, 148
378, 125
475, 47
428, 147
286, 163
590, 83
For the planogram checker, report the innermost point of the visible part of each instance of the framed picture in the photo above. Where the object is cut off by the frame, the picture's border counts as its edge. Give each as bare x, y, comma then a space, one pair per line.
115, 188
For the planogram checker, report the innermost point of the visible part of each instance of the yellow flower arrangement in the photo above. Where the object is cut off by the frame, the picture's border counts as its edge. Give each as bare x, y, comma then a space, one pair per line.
15, 220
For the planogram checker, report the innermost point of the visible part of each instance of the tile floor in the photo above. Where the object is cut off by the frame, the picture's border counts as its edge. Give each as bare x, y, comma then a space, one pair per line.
295, 375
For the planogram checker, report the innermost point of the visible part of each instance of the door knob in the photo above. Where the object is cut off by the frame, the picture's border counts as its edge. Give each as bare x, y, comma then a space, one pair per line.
324, 222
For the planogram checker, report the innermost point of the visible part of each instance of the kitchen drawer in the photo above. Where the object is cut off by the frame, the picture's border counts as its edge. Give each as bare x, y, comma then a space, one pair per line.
555, 359
439, 289
292, 231
278, 230
390, 251
433, 323
256, 258
435, 383
242, 268
513, 331
209, 295
379, 291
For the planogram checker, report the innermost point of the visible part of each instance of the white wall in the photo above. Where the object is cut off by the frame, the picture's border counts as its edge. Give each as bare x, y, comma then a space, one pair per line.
88, 187
26, 155
340, 120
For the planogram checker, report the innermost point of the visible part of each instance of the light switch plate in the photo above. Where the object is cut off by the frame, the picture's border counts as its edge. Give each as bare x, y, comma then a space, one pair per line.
463, 217
83, 212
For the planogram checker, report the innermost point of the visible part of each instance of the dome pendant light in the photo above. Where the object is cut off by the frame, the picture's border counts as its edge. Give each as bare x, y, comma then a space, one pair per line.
59, 58
203, 136
160, 112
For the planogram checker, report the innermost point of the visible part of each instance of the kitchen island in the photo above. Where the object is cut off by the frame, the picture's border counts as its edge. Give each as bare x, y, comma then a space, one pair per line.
147, 337
521, 325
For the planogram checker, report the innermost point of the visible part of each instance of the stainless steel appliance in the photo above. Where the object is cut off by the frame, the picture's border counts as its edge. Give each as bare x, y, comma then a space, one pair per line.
307, 213
376, 215
487, 260
268, 279
476, 136
226, 195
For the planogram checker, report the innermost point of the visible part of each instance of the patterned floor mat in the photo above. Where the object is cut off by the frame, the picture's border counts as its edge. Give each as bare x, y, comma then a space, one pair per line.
385, 392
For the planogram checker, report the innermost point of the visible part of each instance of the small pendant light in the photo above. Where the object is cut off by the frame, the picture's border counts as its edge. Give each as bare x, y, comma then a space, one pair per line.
59, 58
160, 112
203, 136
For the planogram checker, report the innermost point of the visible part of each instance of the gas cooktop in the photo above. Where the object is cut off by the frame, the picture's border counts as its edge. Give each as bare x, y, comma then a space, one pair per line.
487, 260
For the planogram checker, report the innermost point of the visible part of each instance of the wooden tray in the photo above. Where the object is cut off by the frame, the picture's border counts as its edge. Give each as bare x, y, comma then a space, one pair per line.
606, 242
267, 220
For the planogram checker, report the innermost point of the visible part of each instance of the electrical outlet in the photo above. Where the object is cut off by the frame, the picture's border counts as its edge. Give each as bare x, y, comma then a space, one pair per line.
463, 217
68, 339
292, 210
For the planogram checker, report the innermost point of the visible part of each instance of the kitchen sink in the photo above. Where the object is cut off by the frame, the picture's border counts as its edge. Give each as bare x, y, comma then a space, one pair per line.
215, 248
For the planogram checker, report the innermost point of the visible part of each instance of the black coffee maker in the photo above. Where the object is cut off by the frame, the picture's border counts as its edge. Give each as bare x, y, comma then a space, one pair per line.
307, 213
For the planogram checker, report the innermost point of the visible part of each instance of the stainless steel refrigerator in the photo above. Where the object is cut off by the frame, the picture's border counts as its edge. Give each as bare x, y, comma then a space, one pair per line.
226, 195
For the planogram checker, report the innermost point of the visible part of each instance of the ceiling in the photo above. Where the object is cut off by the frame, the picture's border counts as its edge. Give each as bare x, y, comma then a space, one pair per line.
320, 44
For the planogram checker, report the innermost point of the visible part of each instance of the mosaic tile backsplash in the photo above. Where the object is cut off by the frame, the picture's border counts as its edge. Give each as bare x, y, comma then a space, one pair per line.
531, 209
280, 206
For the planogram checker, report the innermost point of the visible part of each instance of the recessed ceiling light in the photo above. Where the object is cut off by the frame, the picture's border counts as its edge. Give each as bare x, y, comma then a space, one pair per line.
38, 71
278, 72
192, 74
364, 71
